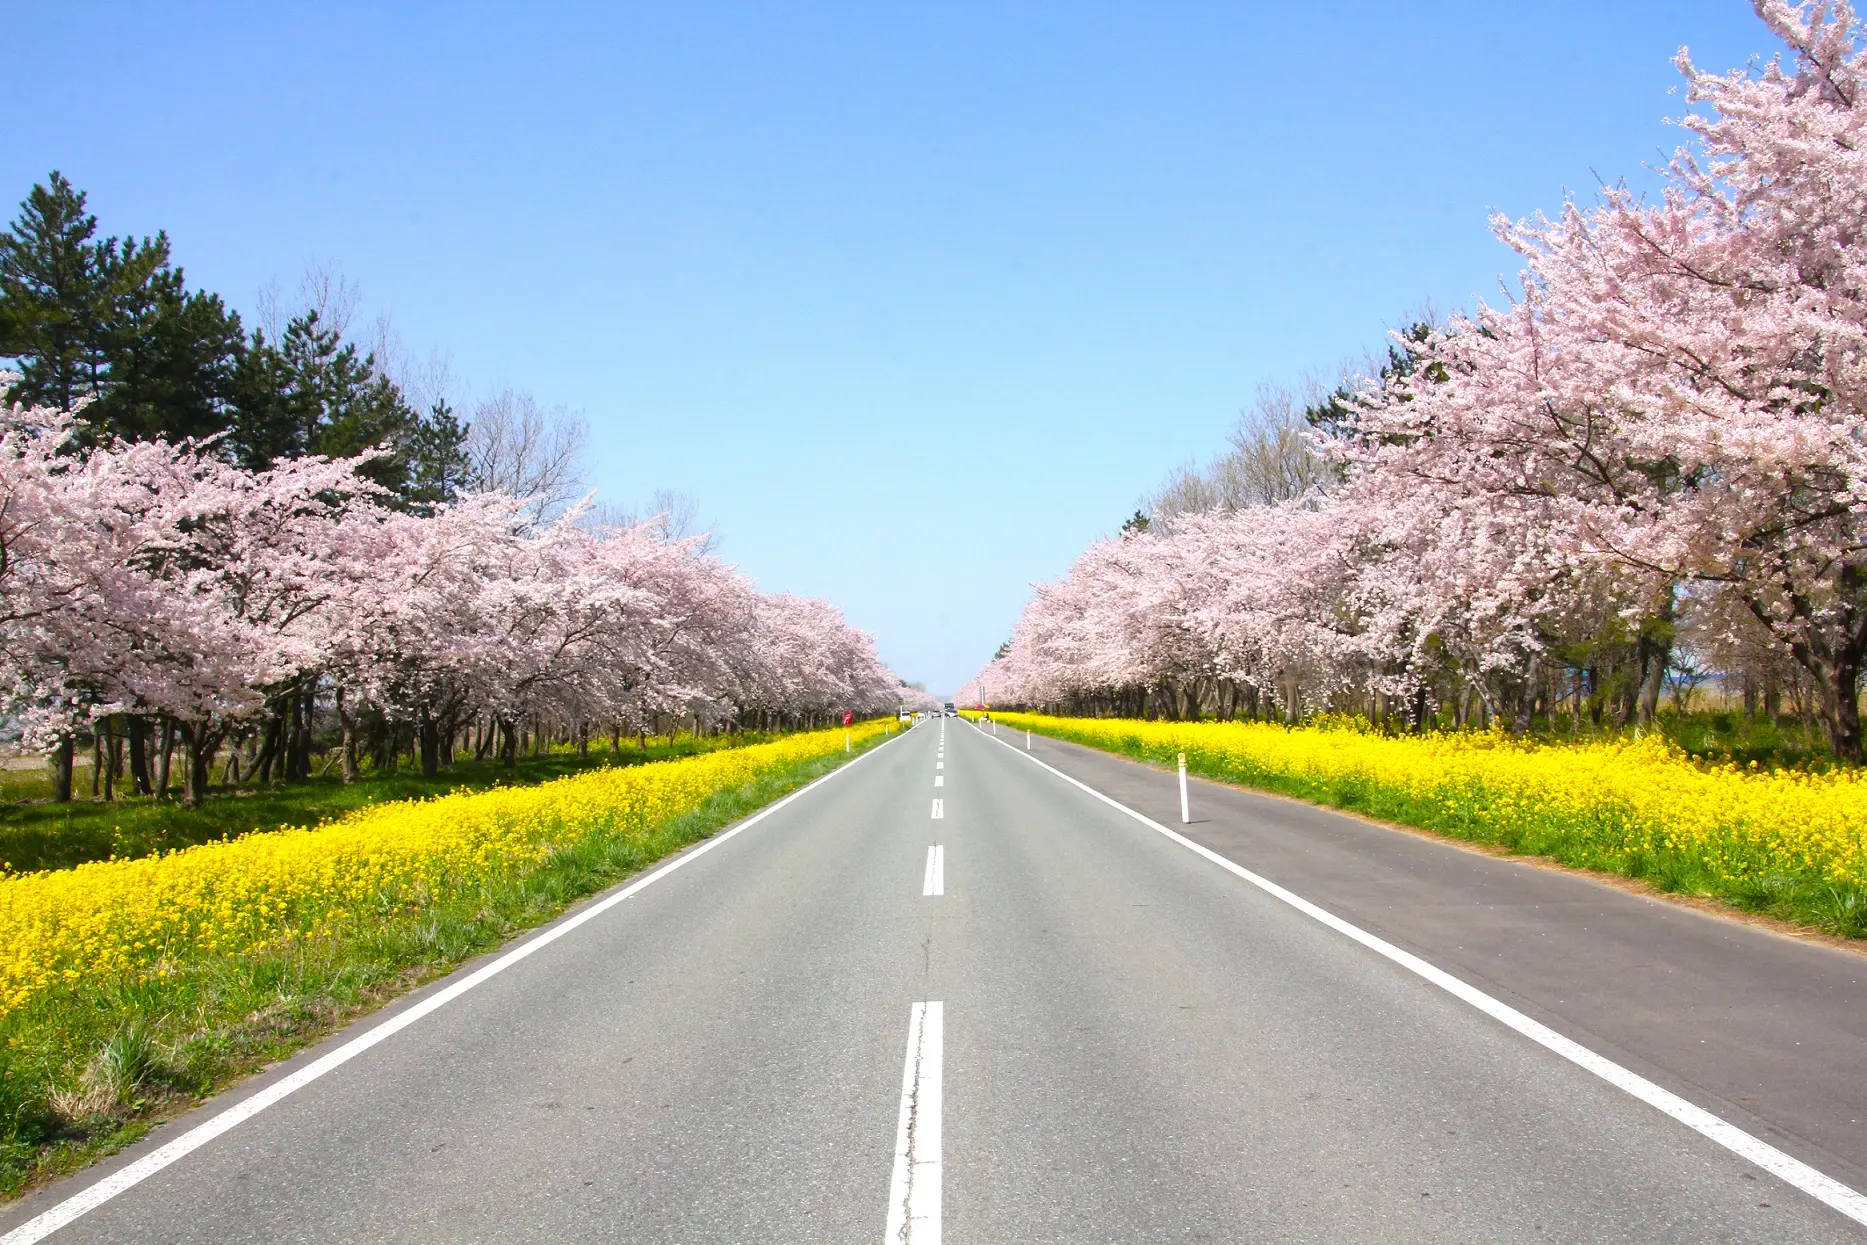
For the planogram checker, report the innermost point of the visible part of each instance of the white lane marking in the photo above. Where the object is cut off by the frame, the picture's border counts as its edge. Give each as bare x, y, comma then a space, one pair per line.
914, 1188
939, 764
933, 881
939, 780
939, 813
43, 1225
1793, 1171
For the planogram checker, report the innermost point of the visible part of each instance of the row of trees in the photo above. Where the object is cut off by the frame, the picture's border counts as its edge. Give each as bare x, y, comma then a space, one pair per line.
1653, 456
154, 593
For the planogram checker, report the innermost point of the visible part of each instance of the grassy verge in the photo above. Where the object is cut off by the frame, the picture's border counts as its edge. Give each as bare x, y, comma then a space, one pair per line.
1786, 845
38, 834
84, 1072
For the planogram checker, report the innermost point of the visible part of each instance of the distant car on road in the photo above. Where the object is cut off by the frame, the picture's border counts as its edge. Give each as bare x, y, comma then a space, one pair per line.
950, 711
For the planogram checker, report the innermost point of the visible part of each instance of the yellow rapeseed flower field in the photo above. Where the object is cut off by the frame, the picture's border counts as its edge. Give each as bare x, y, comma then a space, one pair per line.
1620, 801
129, 920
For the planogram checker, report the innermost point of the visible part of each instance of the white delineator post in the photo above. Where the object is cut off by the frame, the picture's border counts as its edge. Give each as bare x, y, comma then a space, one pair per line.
845, 741
1027, 739
1185, 815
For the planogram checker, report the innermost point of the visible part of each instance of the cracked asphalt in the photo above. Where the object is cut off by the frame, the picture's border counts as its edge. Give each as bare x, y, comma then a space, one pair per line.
1138, 1047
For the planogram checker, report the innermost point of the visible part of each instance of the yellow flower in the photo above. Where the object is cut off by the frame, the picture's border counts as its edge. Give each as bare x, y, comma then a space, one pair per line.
1621, 799
118, 919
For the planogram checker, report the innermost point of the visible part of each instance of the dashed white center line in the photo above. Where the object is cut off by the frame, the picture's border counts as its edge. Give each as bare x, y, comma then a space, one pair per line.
939, 810
914, 1191
933, 882
939, 764
939, 780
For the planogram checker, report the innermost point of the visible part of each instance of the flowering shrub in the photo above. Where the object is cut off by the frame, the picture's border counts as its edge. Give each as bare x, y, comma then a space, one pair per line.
1618, 802
138, 920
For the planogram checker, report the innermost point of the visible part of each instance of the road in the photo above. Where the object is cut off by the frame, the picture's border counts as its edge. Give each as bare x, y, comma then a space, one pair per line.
1061, 1026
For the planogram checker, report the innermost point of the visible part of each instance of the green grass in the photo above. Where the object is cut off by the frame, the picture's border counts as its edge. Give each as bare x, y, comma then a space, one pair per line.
1714, 735
38, 834
1721, 736
82, 1075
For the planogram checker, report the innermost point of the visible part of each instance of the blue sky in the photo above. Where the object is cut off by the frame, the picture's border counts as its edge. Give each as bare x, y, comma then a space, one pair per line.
916, 299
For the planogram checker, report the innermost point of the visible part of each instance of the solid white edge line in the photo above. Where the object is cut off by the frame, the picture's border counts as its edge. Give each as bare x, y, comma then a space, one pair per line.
83, 1202
914, 1183
1793, 1171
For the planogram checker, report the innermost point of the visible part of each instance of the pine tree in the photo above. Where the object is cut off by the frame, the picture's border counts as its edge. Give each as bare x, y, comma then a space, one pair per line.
314, 393
173, 356
54, 297
439, 466
111, 325
1335, 414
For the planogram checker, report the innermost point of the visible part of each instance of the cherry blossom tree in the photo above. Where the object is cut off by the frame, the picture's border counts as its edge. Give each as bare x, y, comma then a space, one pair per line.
1665, 427
159, 582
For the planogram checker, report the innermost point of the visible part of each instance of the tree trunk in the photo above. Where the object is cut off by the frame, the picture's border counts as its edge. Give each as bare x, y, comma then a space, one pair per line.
508, 744
139, 752
1526, 707
164, 754
430, 736
268, 747
107, 753
198, 745
1844, 711
349, 742
1836, 674
1653, 678
1654, 652
61, 770
299, 755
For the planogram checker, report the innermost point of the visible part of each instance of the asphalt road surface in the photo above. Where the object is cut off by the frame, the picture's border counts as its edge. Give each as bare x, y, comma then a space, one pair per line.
947, 993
